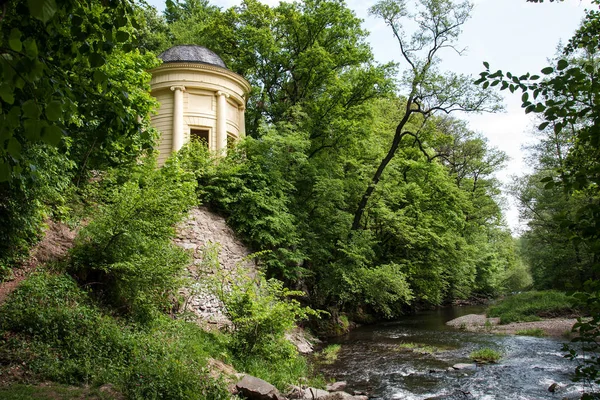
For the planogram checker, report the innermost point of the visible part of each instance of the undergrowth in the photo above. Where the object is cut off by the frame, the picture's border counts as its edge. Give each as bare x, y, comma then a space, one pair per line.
52, 327
103, 317
532, 306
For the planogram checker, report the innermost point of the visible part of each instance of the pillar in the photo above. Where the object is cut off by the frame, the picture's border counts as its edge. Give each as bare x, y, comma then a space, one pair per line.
177, 117
222, 122
242, 121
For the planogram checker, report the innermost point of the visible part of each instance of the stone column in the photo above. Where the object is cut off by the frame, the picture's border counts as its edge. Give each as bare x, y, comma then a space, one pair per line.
177, 117
242, 121
222, 122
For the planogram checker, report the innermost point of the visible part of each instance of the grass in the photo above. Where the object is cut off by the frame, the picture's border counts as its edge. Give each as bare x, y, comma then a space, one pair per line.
51, 392
485, 355
536, 332
328, 355
532, 306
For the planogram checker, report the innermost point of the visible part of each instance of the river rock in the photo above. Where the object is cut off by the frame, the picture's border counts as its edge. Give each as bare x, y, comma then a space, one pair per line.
336, 386
461, 366
254, 388
295, 392
553, 387
342, 396
314, 394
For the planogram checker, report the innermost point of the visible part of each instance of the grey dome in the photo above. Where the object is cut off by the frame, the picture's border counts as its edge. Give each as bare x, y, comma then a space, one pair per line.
191, 53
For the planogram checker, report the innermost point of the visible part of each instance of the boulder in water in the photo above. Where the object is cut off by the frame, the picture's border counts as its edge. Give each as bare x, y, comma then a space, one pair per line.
461, 366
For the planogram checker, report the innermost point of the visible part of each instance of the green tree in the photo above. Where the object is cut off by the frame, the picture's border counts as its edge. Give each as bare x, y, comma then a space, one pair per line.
566, 101
292, 54
429, 91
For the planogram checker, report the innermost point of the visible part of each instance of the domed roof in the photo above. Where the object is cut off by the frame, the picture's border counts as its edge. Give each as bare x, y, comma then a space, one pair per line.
191, 53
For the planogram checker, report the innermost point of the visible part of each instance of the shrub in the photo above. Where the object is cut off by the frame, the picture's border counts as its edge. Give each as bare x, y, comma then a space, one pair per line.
530, 306
125, 254
59, 334
485, 355
27, 201
383, 288
328, 355
261, 312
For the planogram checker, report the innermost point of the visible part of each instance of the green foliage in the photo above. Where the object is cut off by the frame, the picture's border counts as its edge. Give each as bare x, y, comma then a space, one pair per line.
485, 355
53, 73
432, 230
252, 190
26, 203
125, 254
428, 91
59, 334
261, 312
71, 98
530, 306
562, 197
51, 392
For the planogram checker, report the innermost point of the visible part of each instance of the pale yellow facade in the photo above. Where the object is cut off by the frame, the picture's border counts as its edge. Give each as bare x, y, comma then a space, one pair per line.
197, 98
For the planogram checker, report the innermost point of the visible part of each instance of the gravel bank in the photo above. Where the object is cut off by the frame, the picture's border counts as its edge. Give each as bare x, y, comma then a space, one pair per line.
555, 327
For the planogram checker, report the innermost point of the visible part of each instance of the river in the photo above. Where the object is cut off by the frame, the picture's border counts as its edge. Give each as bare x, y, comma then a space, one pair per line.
377, 360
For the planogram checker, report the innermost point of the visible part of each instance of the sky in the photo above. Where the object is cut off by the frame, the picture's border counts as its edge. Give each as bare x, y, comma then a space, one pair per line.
512, 35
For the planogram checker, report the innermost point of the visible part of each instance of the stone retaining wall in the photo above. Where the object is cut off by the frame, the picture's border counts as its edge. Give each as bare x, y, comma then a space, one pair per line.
199, 233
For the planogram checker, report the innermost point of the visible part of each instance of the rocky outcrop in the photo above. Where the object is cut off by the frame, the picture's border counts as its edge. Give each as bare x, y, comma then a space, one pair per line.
303, 340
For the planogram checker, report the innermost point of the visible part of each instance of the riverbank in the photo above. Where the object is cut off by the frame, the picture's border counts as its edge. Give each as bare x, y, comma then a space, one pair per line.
553, 327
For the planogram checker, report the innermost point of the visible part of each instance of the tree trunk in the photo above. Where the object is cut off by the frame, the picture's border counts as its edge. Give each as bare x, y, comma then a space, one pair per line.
386, 160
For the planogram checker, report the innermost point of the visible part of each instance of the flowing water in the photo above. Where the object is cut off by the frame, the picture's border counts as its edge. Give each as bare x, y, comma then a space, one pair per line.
375, 359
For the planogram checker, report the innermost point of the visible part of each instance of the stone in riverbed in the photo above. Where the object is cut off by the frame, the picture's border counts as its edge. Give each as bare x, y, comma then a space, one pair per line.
336, 386
314, 394
342, 396
461, 366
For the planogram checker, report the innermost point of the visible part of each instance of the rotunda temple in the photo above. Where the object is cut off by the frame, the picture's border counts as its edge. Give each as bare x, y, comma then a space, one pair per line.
199, 99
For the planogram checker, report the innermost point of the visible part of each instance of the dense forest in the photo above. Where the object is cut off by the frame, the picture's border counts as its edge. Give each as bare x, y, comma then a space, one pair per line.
359, 187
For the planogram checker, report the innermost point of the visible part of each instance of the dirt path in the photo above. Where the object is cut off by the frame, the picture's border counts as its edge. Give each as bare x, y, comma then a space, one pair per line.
554, 327
58, 239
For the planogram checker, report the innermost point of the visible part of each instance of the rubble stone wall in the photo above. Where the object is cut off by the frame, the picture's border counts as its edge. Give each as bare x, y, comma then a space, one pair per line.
198, 234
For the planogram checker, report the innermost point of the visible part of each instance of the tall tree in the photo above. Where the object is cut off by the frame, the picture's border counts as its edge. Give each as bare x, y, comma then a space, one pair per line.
429, 91
292, 54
